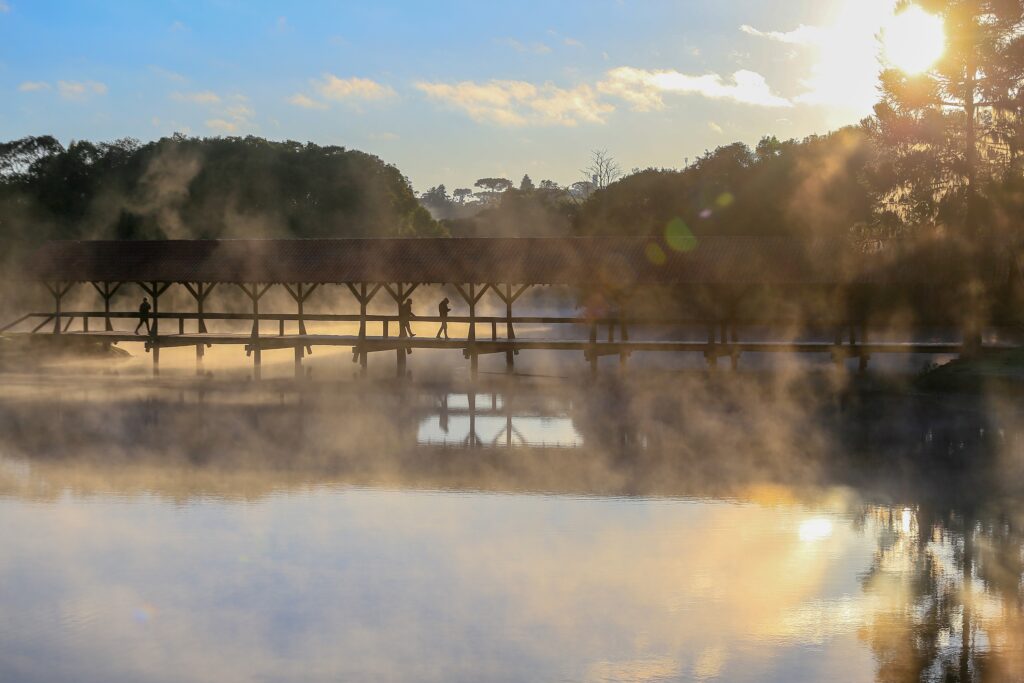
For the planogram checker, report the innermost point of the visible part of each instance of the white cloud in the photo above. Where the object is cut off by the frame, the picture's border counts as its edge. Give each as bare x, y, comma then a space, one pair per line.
571, 42
306, 102
644, 89
4, 7
518, 103
232, 119
346, 89
842, 56
33, 86
178, 27
203, 97
715, 127
80, 90
801, 35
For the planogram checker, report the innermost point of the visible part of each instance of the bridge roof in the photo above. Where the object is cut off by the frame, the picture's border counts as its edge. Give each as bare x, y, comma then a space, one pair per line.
567, 261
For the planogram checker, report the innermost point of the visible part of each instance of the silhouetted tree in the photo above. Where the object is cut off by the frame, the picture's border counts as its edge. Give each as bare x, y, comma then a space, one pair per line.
526, 185
950, 135
183, 187
602, 171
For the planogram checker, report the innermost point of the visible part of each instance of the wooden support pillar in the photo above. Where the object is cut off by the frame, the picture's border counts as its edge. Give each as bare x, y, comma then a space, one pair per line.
363, 297
107, 292
58, 290
300, 294
712, 352
200, 292
154, 290
472, 298
593, 348
400, 294
298, 360
509, 297
255, 293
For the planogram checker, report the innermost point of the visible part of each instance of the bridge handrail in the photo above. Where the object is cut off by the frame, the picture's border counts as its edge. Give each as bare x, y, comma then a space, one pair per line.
482, 319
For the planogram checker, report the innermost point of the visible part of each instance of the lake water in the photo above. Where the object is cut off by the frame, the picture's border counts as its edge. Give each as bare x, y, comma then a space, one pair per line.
732, 529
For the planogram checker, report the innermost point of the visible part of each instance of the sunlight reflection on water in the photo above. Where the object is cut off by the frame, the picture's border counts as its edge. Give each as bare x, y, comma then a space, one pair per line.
154, 535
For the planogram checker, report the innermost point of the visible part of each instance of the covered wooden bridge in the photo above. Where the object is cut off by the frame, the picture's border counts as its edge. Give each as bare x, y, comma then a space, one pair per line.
714, 274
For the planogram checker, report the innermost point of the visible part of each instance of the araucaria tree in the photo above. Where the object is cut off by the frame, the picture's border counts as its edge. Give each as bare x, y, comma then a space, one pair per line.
950, 137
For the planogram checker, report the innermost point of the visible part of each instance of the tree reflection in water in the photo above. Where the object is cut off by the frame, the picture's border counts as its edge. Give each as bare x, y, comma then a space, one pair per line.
938, 481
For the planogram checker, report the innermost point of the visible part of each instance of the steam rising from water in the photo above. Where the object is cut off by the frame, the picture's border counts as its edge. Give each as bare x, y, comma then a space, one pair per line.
690, 528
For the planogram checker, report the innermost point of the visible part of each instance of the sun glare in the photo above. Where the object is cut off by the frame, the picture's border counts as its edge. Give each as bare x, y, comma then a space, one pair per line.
816, 529
913, 40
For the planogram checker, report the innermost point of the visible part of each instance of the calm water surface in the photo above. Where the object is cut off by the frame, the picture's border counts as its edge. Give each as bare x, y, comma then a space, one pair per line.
506, 531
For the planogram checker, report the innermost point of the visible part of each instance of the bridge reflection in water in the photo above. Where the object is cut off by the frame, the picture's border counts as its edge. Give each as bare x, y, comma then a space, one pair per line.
723, 519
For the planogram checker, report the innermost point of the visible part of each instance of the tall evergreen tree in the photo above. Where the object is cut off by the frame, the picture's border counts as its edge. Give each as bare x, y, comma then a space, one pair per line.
950, 136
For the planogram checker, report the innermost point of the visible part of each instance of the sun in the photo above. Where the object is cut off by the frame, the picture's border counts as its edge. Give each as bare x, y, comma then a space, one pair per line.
913, 40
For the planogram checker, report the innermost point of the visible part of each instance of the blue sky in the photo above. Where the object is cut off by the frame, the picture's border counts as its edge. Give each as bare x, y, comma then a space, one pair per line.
449, 91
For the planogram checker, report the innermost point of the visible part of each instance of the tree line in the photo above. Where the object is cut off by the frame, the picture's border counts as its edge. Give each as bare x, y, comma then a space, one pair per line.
187, 187
940, 156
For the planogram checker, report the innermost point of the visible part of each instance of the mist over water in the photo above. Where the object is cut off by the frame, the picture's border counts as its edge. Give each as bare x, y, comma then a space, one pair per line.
745, 527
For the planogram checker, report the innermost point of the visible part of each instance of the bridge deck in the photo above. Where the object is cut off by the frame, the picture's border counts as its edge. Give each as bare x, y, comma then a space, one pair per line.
371, 344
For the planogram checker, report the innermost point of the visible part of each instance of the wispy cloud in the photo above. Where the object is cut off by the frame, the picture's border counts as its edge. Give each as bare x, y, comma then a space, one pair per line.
801, 35
537, 48
80, 90
518, 103
168, 74
715, 127
4, 7
178, 27
33, 86
568, 41
331, 87
231, 118
222, 125
203, 97
306, 102
644, 90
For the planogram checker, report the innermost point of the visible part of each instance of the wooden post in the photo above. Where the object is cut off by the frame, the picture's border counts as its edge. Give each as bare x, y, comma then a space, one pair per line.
712, 353
472, 298
299, 294
363, 297
154, 290
255, 294
593, 348
107, 293
199, 293
509, 297
400, 294
58, 289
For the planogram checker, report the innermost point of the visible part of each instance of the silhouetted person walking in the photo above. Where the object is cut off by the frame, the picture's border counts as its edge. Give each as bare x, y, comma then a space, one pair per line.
443, 309
407, 314
405, 328
144, 309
